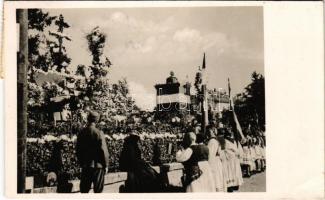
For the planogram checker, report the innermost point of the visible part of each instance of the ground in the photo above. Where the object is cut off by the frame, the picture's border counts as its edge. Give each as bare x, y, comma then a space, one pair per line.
256, 183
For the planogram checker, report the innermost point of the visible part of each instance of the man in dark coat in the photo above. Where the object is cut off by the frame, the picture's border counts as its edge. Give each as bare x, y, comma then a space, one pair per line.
92, 154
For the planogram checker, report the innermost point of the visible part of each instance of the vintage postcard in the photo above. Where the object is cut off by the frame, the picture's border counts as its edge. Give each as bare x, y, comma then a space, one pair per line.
178, 99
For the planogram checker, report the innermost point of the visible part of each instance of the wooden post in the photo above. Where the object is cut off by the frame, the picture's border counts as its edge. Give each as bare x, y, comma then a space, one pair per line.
22, 64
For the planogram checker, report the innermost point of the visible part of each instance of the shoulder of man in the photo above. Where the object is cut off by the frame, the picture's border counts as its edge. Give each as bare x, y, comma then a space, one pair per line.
96, 132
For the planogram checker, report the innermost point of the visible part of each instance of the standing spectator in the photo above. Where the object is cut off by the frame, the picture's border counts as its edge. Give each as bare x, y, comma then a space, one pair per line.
198, 175
215, 150
253, 156
235, 178
57, 173
141, 176
246, 163
92, 154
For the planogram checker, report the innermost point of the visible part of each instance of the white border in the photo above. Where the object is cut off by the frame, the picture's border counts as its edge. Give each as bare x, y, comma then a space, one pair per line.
294, 71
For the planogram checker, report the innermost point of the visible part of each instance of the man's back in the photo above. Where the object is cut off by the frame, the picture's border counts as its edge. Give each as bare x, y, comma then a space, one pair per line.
91, 148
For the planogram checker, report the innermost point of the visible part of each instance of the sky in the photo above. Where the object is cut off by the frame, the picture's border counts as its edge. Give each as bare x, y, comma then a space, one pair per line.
145, 44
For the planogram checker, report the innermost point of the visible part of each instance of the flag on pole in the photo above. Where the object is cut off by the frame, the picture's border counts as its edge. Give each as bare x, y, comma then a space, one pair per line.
237, 124
238, 127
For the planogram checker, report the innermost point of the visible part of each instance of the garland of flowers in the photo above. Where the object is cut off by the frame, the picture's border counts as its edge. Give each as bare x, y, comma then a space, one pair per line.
120, 136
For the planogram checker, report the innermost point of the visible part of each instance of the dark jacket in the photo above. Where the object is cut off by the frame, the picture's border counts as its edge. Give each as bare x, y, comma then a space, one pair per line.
141, 176
92, 148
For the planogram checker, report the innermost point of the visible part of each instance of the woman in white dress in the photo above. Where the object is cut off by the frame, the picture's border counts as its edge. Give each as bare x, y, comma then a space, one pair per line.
215, 151
258, 155
253, 156
235, 178
263, 153
247, 158
198, 175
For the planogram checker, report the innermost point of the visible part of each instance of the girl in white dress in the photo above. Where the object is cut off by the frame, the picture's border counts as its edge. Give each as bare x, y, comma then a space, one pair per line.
215, 151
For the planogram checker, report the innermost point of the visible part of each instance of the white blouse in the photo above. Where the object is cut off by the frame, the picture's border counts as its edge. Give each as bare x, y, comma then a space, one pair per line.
184, 154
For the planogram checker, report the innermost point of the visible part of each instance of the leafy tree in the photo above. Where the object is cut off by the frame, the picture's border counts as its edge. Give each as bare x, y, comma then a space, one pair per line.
38, 20
96, 43
43, 53
97, 82
250, 105
58, 51
38, 54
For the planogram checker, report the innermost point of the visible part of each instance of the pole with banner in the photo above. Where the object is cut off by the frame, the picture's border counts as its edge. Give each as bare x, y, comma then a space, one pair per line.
232, 109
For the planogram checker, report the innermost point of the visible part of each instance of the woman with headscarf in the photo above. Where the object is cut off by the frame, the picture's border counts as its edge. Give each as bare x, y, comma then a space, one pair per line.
197, 171
235, 178
141, 176
216, 146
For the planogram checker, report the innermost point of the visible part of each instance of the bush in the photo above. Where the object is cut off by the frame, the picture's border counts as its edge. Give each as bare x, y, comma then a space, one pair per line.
40, 152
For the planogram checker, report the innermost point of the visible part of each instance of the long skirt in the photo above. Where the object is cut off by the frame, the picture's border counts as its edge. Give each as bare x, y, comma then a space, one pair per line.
217, 170
205, 183
238, 173
246, 157
235, 177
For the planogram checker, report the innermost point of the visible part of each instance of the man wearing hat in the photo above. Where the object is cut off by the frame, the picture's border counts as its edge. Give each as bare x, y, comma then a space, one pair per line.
92, 154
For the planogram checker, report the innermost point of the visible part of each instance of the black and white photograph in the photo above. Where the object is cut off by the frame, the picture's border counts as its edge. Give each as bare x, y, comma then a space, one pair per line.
141, 100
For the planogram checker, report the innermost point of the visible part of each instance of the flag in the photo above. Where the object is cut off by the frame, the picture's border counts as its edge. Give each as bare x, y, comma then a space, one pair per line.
204, 76
203, 64
229, 93
238, 127
229, 88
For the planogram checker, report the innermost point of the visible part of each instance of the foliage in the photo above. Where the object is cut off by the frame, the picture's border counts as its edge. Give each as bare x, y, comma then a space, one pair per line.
44, 53
96, 43
40, 151
250, 105
38, 20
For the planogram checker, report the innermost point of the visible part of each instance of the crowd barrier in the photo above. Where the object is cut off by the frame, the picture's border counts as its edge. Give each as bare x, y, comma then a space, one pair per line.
172, 173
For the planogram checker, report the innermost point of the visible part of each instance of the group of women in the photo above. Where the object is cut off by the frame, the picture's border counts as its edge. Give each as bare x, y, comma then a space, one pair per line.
217, 162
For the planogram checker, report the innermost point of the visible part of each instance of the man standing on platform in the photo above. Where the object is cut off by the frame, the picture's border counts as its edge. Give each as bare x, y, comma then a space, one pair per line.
92, 154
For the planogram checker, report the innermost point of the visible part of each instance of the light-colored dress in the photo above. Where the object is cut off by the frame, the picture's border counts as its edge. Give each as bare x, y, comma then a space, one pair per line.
224, 163
216, 165
247, 159
253, 158
234, 170
258, 152
240, 152
263, 152
205, 183
239, 157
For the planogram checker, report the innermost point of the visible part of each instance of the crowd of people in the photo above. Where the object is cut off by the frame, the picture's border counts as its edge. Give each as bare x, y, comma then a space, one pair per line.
219, 161
213, 162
